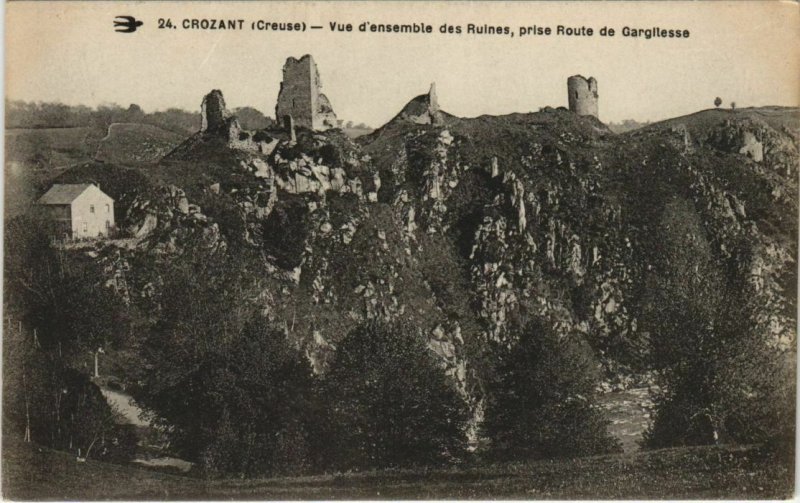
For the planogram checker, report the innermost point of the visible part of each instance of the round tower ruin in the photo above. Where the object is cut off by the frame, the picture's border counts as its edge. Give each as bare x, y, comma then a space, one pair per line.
582, 95
213, 113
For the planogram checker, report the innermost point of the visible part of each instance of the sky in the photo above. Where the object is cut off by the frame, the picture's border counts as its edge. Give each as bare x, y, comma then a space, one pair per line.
745, 52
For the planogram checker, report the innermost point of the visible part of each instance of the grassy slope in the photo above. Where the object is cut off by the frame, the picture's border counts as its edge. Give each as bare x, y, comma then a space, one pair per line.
34, 157
134, 143
56, 146
704, 120
700, 472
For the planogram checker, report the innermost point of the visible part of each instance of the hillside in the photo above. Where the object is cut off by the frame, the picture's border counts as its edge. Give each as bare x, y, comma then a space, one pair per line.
135, 143
468, 230
466, 226
35, 157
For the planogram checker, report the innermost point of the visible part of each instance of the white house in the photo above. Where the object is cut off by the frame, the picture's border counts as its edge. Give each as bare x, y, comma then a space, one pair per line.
79, 210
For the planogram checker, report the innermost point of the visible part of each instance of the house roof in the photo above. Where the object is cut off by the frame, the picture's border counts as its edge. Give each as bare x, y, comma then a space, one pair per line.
64, 193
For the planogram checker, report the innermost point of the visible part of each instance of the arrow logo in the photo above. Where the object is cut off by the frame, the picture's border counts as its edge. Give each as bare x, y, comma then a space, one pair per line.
126, 24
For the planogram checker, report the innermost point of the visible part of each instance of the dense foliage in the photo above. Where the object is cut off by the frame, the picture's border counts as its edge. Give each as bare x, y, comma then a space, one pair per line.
541, 401
233, 392
392, 404
51, 404
72, 314
720, 381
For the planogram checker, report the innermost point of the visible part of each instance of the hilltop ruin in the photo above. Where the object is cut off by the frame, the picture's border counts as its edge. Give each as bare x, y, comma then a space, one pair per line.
300, 97
424, 109
582, 95
217, 123
213, 113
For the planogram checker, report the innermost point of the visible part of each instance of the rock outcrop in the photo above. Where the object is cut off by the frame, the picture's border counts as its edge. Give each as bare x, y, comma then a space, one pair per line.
468, 228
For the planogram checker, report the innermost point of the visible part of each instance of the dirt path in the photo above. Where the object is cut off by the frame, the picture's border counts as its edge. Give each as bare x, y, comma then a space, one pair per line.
125, 405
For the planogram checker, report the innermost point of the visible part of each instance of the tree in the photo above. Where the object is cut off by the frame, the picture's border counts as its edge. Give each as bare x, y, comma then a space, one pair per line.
65, 296
391, 403
719, 381
733, 105
47, 403
717, 101
134, 113
541, 398
234, 395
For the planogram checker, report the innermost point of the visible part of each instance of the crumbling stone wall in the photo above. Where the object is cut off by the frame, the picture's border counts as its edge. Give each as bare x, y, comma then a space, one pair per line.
213, 113
325, 117
582, 95
424, 109
300, 96
217, 121
250, 141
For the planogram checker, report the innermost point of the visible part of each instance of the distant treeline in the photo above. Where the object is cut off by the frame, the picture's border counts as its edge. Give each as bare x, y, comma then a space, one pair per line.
21, 114
627, 125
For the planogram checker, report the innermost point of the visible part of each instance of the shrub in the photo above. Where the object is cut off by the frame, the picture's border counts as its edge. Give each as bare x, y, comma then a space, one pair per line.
234, 394
391, 403
540, 401
287, 247
720, 381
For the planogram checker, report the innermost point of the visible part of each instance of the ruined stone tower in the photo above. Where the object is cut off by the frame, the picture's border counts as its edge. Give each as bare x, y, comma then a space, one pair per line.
213, 114
582, 95
424, 109
300, 96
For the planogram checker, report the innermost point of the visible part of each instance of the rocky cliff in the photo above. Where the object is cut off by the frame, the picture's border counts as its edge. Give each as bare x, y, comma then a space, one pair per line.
468, 227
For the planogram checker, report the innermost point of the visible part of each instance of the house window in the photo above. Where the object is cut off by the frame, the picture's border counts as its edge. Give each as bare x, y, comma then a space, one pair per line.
108, 225
91, 208
85, 227
108, 208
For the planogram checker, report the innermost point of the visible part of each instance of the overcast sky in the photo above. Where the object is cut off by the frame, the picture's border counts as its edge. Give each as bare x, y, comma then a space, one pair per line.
743, 52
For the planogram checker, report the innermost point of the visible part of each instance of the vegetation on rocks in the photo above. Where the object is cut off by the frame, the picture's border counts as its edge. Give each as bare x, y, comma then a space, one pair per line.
323, 304
392, 405
542, 401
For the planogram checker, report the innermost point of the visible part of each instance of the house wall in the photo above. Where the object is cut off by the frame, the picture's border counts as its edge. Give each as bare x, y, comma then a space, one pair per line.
90, 224
61, 218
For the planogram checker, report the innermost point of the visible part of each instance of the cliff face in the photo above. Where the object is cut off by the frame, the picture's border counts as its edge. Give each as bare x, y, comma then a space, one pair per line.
468, 227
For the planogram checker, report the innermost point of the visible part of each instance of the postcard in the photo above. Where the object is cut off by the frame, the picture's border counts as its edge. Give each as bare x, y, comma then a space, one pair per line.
400, 250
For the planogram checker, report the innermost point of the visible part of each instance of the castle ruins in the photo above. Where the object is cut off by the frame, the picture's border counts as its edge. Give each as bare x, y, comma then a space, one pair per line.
213, 113
582, 95
300, 97
424, 109
217, 121
301, 104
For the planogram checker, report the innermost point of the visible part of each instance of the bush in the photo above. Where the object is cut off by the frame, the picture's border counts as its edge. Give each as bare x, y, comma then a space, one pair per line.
392, 405
720, 381
287, 247
540, 401
60, 407
234, 395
